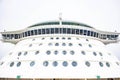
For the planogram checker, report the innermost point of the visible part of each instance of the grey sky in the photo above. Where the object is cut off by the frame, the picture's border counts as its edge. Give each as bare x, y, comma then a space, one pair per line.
19, 14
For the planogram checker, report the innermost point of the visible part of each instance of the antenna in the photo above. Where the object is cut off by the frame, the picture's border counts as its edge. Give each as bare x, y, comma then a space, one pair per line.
60, 18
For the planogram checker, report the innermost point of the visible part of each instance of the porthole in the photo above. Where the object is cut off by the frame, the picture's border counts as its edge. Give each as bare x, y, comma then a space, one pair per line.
63, 38
72, 52
117, 63
18, 64
80, 44
90, 45
63, 44
50, 44
64, 52
65, 64
55, 52
48, 52
100, 54
25, 53
57, 37
10, 53
33, 39
87, 40
32, 63
69, 38
83, 52
56, 44
37, 52
87, 64
107, 64
43, 38
30, 45
1, 63
77, 38
94, 53
11, 64
51, 38
19, 53
40, 44
74, 63
55, 63
45, 63
101, 64
70, 44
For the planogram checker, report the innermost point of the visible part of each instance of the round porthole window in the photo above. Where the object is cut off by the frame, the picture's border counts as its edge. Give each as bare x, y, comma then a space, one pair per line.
65, 64
63, 44
107, 64
55, 63
94, 53
64, 52
70, 44
11, 64
19, 53
32, 63
25, 53
87, 64
48, 52
72, 52
18, 64
83, 52
55, 52
100, 54
101, 64
45, 63
74, 63
37, 52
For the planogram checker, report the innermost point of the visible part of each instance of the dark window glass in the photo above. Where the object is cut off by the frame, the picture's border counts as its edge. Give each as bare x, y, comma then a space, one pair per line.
56, 30
50, 44
101, 64
19, 53
73, 31
107, 64
16, 36
56, 44
65, 64
64, 52
61, 30
35, 31
74, 63
55, 52
70, 44
18, 64
48, 52
45, 63
69, 38
57, 37
81, 31
28, 33
63, 44
90, 45
32, 33
47, 31
88, 33
72, 52
87, 63
68, 31
77, 31
30, 45
91, 33
64, 30
37, 52
63, 38
55, 63
43, 31
39, 31
52, 30
83, 52
11, 64
85, 32
100, 54
25, 34
80, 44
25, 53
32, 63
94, 53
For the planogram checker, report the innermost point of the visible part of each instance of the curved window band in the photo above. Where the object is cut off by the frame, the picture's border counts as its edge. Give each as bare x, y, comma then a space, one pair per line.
60, 31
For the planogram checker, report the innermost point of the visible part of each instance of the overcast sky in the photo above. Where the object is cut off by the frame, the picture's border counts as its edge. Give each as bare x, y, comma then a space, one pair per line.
100, 14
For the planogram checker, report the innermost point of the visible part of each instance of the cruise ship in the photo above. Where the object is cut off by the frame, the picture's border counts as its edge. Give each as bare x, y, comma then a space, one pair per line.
60, 50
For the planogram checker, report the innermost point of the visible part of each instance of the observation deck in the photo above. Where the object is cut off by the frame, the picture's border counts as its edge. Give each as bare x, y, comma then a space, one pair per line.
54, 28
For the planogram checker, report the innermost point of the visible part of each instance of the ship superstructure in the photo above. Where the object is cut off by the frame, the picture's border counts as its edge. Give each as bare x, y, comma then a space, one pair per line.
57, 50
